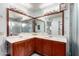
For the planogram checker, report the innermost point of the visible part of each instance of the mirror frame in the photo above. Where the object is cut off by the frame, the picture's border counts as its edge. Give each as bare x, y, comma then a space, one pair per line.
13, 10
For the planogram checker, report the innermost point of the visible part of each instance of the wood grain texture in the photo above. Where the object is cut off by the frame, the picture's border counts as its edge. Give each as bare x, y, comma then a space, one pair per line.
47, 47
18, 49
39, 45
59, 49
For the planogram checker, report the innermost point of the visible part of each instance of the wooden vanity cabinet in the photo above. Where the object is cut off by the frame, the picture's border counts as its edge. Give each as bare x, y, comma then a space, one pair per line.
50, 48
46, 47
28, 47
38, 45
22, 48
59, 48
42, 46
18, 49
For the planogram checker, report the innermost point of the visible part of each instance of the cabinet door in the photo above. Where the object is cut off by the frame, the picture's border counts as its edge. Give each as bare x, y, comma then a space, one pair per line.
38, 45
28, 47
59, 49
47, 47
18, 49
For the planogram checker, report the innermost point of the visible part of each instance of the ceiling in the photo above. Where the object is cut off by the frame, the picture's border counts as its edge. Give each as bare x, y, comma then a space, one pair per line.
32, 8
34, 5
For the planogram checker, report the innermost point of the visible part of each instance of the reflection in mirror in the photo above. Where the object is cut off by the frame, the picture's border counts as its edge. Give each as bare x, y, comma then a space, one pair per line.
54, 24
27, 26
40, 26
19, 23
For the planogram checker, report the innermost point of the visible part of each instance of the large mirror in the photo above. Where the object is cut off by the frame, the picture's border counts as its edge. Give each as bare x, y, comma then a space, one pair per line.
54, 22
18, 22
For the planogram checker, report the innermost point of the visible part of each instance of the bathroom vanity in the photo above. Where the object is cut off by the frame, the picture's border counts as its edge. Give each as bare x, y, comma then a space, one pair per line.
27, 44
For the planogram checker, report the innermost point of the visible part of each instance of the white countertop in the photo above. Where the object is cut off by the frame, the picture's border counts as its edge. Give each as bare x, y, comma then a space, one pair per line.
25, 36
